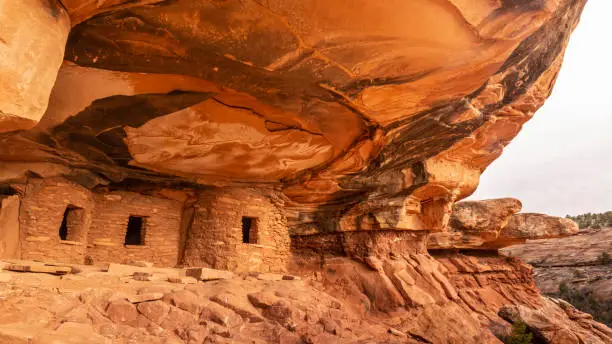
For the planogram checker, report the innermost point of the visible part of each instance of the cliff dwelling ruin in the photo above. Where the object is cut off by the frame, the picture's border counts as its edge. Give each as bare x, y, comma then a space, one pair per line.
204, 148
315, 151
59, 220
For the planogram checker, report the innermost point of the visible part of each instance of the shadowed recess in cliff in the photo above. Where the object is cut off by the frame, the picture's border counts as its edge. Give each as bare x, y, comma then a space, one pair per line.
97, 133
133, 40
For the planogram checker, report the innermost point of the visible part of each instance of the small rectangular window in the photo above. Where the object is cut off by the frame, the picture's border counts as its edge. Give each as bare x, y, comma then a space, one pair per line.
134, 235
8, 191
71, 224
249, 230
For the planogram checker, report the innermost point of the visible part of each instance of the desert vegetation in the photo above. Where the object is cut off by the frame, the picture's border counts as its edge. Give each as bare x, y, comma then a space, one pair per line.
593, 220
584, 300
520, 334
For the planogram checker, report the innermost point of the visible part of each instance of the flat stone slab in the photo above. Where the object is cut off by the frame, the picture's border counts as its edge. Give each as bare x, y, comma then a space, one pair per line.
125, 270
182, 280
145, 297
55, 270
207, 274
130, 270
5, 277
148, 276
268, 276
141, 263
396, 332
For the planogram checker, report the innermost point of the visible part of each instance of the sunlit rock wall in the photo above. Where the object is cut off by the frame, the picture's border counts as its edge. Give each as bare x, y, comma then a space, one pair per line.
33, 34
365, 115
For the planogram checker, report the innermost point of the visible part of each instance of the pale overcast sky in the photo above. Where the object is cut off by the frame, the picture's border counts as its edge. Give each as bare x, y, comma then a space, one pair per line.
561, 162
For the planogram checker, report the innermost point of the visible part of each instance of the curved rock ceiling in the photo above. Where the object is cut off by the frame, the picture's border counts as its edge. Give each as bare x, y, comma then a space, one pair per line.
367, 114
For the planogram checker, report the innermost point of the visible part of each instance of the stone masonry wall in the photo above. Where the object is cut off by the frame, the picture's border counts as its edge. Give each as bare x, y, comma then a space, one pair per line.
215, 238
41, 214
161, 229
9, 226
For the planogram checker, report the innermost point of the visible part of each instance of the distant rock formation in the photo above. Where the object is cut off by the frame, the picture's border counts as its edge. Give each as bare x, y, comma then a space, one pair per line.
493, 224
580, 263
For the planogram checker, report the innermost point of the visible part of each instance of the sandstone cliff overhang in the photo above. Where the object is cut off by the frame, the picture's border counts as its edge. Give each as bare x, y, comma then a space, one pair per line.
368, 114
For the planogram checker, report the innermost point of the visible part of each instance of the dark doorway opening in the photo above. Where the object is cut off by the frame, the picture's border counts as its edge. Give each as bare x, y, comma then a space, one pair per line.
71, 223
249, 230
135, 230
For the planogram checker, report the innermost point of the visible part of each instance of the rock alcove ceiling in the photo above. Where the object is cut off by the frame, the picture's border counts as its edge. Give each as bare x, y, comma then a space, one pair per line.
366, 114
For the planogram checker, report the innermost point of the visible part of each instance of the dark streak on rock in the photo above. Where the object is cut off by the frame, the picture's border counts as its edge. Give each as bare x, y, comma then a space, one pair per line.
537, 52
54, 7
357, 86
100, 42
97, 132
426, 134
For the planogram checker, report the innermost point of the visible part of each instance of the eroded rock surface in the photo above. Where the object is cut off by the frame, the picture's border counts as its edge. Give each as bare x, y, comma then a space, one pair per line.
328, 139
32, 39
578, 261
493, 224
367, 115
447, 298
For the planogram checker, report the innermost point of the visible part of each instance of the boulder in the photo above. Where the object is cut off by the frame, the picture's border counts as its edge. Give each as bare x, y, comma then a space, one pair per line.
32, 41
494, 224
483, 216
121, 311
186, 301
155, 311
558, 322
178, 319
538, 226
220, 315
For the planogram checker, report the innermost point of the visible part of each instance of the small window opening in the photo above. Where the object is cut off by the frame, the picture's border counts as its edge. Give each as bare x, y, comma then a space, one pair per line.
135, 231
71, 223
8, 191
249, 230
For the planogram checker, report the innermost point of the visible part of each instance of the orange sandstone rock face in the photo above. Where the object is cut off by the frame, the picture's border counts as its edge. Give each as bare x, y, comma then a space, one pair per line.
537, 226
32, 39
493, 224
367, 115
329, 139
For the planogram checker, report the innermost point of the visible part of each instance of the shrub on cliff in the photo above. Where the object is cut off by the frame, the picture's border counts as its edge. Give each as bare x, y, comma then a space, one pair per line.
520, 334
583, 300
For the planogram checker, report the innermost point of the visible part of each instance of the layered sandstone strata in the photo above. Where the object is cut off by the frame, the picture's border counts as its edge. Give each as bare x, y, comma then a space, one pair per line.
449, 298
494, 224
578, 261
366, 115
